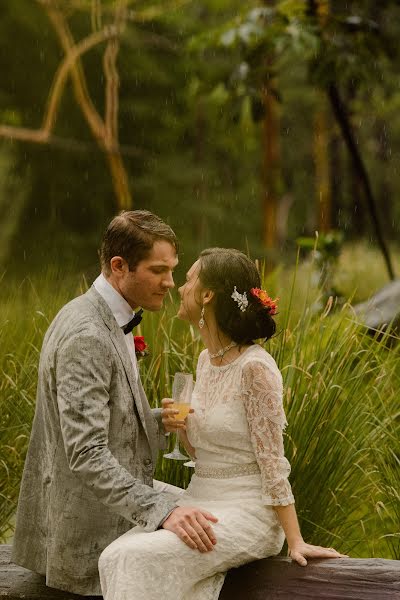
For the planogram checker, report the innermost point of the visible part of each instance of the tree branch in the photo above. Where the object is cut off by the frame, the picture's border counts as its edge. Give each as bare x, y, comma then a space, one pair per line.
63, 70
82, 95
105, 132
37, 136
24, 134
112, 77
120, 178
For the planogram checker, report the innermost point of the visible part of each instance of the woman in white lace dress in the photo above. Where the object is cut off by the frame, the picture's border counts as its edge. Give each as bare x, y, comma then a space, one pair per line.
235, 435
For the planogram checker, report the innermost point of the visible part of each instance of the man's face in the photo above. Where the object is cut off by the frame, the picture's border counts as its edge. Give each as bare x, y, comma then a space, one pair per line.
151, 280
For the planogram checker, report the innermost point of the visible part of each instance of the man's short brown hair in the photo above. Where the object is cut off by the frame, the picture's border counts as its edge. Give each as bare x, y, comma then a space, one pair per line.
131, 235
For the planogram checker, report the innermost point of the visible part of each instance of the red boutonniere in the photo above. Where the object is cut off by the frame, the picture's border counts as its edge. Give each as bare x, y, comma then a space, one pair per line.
141, 348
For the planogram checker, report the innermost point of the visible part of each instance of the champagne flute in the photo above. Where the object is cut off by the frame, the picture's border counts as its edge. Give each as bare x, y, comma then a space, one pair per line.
182, 389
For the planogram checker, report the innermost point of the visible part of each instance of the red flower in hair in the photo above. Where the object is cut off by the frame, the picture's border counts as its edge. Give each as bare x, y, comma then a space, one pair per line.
266, 301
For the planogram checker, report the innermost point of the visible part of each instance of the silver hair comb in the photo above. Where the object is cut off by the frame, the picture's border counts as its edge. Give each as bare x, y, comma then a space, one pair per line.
241, 299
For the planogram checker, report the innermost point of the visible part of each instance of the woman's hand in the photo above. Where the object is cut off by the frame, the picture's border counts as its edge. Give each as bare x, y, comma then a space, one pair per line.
300, 551
168, 413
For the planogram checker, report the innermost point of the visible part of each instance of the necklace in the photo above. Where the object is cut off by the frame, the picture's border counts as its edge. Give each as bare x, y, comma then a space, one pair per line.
223, 351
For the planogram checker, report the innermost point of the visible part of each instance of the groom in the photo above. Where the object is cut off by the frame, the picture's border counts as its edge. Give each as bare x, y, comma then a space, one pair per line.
88, 475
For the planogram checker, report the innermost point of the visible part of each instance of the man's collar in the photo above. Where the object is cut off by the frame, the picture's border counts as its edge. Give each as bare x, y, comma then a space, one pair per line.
119, 307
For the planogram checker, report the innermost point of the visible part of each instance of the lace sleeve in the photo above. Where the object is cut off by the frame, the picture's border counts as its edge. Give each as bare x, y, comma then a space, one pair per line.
262, 397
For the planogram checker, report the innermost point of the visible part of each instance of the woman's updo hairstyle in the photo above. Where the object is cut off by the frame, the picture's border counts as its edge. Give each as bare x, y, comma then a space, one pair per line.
221, 269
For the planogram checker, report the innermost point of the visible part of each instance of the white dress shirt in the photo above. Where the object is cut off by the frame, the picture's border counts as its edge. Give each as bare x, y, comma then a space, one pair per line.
122, 312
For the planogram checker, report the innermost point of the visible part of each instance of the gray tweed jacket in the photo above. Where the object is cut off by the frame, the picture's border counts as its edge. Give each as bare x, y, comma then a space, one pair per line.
88, 474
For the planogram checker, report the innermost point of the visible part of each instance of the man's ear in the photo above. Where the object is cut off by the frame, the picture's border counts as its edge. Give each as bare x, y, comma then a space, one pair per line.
118, 265
207, 296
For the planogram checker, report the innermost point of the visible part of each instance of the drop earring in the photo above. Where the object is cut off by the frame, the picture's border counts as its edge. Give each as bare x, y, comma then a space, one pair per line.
201, 322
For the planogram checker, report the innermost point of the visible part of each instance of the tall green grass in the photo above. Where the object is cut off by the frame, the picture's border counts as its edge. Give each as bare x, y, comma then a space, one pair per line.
341, 399
339, 386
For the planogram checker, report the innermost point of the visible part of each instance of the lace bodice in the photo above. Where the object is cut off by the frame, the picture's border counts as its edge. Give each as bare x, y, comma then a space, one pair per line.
239, 419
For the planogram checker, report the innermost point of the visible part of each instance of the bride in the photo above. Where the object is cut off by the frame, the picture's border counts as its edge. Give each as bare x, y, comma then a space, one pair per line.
235, 436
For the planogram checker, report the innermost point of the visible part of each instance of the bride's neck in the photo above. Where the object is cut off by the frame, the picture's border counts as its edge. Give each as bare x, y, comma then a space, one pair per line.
215, 341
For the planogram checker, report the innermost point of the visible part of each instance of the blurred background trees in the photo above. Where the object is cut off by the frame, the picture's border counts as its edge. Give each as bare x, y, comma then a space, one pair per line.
242, 125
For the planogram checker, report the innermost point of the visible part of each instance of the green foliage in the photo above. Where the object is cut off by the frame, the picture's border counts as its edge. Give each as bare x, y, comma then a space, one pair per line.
288, 49
17, 392
335, 379
387, 457
190, 122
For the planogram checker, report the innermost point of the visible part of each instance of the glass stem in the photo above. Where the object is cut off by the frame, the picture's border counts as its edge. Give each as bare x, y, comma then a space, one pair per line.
176, 447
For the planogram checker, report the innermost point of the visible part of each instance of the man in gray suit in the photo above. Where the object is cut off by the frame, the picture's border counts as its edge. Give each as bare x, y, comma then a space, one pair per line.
88, 475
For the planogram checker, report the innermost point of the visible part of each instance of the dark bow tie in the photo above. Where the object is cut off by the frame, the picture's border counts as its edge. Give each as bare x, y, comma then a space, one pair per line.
133, 322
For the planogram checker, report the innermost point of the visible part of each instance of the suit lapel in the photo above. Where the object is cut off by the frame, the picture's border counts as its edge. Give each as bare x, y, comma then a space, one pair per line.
118, 340
122, 351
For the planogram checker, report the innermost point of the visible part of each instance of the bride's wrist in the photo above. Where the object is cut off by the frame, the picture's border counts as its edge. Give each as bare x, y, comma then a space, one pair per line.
295, 541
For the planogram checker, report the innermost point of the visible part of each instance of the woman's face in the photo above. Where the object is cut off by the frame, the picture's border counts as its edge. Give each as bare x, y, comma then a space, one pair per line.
190, 293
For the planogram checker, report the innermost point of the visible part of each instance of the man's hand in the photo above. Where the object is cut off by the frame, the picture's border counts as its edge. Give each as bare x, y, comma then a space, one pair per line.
168, 416
192, 526
300, 551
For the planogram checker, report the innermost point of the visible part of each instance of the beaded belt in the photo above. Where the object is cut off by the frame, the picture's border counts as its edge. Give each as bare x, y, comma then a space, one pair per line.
227, 472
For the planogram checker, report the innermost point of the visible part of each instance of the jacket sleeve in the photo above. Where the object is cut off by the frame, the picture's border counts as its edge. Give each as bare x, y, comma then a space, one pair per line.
262, 397
162, 434
83, 377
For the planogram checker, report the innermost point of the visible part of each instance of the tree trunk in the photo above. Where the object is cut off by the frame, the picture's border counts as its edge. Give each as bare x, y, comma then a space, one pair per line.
120, 180
200, 186
385, 191
271, 167
359, 167
336, 176
321, 159
356, 204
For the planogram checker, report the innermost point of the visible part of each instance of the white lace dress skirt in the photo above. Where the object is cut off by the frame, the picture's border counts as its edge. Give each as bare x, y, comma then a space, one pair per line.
159, 566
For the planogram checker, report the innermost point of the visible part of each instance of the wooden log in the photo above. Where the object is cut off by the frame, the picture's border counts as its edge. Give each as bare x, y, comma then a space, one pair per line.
268, 579
17, 583
335, 579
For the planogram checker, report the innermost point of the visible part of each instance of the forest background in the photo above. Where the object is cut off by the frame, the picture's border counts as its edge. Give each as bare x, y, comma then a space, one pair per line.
249, 125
